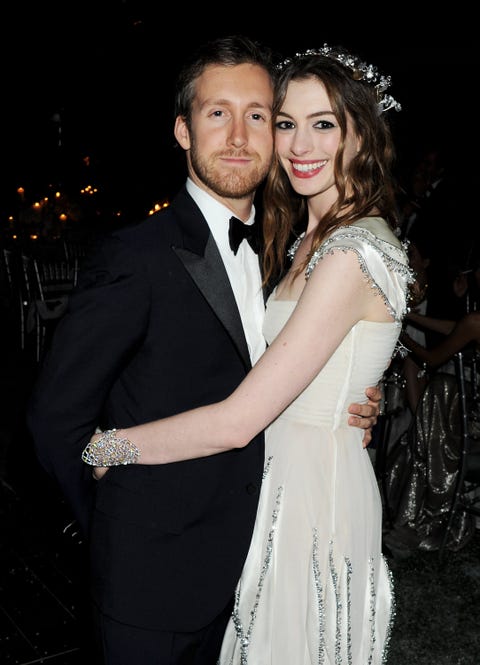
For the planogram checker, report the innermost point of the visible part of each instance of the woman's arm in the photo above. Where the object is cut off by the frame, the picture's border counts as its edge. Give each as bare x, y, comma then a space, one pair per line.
329, 306
442, 326
465, 331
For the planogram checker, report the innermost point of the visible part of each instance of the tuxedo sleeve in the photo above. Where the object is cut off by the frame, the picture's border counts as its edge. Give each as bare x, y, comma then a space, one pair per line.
106, 318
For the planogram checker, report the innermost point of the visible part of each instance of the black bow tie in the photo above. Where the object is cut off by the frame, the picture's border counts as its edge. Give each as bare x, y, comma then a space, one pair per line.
239, 231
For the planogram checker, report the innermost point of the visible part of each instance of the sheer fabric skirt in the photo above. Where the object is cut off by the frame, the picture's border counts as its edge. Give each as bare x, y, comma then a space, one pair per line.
315, 587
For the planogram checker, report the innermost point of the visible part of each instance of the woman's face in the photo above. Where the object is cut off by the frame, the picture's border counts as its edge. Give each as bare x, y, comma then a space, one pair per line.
307, 136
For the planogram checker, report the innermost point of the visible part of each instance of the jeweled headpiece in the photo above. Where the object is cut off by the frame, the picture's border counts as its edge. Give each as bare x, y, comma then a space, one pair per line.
361, 71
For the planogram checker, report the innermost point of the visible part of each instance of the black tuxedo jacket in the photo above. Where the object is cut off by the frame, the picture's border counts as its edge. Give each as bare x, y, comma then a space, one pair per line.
151, 330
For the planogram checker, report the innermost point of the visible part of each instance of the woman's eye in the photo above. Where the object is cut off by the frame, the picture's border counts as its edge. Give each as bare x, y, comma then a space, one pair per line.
323, 124
284, 124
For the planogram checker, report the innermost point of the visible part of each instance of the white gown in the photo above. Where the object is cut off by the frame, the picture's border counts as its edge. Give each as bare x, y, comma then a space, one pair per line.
315, 588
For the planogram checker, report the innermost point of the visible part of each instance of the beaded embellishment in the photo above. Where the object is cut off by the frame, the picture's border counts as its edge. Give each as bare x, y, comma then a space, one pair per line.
342, 238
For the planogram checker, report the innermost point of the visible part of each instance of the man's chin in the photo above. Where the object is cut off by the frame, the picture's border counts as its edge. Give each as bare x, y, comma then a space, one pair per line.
234, 186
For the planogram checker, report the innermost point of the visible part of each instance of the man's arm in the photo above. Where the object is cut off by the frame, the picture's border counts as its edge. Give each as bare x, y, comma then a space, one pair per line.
68, 397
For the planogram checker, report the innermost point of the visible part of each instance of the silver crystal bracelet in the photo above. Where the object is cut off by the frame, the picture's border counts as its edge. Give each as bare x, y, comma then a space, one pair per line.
110, 450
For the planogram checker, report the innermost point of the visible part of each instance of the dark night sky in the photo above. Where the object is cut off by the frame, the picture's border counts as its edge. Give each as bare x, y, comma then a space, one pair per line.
108, 69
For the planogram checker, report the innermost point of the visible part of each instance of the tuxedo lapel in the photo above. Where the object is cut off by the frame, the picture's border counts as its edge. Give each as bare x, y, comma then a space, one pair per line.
201, 258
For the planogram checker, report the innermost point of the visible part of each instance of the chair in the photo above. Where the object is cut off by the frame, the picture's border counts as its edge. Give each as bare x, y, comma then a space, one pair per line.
6, 277
18, 278
466, 496
54, 281
76, 250
8, 289
28, 314
11, 297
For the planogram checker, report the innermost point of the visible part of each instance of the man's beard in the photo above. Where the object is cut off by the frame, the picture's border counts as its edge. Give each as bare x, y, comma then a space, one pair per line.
228, 183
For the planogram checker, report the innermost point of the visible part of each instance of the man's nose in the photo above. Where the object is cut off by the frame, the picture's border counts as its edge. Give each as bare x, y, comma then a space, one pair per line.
238, 133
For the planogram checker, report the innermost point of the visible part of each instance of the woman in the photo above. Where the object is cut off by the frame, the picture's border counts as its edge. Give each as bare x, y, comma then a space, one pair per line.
415, 377
458, 335
422, 472
315, 587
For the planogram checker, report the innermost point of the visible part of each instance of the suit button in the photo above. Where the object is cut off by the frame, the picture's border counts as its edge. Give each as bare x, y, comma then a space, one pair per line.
251, 488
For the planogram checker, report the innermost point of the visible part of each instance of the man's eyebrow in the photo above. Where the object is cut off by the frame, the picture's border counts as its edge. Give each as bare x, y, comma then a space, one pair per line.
229, 102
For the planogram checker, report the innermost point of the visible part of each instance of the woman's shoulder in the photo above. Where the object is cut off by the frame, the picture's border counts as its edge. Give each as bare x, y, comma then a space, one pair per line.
366, 234
382, 257
378, 227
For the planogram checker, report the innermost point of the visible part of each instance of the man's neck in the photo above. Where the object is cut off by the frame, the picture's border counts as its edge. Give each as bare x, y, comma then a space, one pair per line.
241, 207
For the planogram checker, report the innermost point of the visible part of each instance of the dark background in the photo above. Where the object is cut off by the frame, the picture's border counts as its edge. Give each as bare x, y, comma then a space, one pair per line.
99, 78
107, 69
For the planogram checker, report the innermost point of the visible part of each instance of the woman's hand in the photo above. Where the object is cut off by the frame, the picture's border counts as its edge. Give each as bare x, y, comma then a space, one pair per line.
109, 448
98, 471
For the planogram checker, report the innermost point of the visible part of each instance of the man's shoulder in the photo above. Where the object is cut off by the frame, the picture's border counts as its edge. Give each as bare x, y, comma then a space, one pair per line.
161, 221
143, 230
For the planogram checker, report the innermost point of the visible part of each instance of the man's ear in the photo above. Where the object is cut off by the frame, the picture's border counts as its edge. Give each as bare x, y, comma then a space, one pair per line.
181, 132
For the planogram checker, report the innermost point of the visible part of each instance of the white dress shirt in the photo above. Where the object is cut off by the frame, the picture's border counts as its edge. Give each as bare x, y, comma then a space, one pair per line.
243, 268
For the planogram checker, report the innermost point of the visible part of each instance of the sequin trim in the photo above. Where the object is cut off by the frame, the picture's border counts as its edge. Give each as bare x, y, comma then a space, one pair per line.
339, 241
244, 636
320, 603
266, 469
348, 564
373, 610
393, 610
338, 603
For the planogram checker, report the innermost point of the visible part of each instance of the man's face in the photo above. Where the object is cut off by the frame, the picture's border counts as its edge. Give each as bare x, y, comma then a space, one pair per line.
230, 142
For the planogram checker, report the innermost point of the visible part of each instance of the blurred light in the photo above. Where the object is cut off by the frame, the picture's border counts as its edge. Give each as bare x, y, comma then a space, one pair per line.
157, 207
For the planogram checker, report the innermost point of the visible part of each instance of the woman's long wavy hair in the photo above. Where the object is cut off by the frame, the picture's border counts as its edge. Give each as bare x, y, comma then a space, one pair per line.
371, 190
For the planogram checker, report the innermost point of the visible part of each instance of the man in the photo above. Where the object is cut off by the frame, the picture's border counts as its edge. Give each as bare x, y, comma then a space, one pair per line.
166, 318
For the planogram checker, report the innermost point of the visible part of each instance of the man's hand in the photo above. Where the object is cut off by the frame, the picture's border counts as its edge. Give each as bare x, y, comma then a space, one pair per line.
365, 415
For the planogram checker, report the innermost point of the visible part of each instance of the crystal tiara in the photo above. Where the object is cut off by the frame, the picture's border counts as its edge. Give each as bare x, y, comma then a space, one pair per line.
361, 71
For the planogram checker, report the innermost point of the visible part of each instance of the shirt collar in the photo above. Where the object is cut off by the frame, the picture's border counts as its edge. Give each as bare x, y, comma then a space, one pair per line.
216, 214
